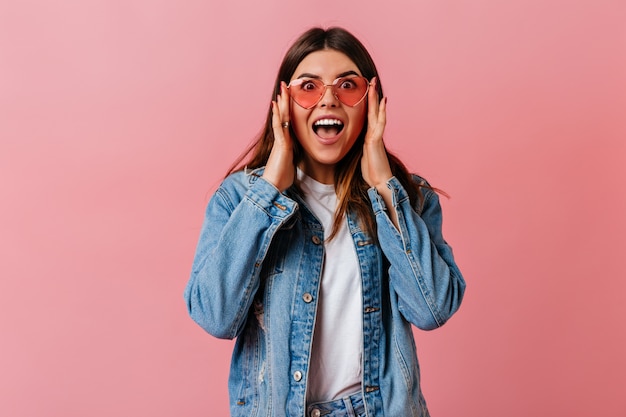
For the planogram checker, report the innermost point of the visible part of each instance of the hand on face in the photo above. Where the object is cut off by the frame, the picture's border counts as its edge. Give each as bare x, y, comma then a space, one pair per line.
374, 163
280, 170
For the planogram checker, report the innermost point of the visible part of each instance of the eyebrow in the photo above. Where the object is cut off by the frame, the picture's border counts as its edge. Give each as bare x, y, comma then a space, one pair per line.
343, 74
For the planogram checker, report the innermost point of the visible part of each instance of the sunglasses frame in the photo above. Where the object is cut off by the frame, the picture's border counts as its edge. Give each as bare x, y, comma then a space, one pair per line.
333, 86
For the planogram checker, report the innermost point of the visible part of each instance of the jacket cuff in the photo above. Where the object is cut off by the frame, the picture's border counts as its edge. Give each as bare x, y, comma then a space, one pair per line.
398, 194
268, 198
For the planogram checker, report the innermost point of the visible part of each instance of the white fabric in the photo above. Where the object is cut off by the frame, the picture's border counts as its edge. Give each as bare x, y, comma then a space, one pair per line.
335, 368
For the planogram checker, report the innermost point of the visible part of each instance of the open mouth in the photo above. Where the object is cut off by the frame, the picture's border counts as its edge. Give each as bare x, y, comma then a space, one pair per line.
327, 128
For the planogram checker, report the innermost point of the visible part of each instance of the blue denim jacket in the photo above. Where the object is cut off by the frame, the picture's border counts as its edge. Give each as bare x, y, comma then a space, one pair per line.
256, 277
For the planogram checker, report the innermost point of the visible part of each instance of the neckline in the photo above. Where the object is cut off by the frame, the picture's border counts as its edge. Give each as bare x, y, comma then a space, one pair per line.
313, 184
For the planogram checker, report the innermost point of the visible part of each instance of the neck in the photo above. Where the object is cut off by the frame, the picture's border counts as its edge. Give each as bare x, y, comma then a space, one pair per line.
324, 174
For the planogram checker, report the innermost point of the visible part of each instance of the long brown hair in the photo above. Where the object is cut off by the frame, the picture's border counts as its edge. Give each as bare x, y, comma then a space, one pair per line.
350, 186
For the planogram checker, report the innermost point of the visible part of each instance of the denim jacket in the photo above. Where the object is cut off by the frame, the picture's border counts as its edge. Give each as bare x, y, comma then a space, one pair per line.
256, 277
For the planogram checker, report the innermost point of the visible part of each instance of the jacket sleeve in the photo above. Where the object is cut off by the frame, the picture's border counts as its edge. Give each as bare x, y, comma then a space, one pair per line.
236, 234
422, 271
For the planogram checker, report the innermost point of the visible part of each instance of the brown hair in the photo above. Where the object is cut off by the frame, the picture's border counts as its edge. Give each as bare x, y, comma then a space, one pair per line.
350, 187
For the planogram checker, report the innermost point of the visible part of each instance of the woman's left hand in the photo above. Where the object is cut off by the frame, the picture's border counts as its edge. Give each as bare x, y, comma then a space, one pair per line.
375, 164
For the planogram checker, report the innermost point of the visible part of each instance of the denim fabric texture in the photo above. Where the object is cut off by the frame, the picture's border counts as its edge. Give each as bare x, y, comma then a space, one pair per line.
256, 276
350, 406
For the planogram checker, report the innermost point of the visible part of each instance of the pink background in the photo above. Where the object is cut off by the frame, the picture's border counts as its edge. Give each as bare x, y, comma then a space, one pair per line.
118, 119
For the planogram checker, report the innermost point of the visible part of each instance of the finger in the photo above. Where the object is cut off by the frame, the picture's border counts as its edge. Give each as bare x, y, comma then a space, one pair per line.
276, 122
382, 115
372, 101
376, 114
283, 102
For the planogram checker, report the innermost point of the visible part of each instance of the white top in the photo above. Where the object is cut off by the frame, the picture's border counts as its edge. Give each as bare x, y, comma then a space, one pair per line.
335, 368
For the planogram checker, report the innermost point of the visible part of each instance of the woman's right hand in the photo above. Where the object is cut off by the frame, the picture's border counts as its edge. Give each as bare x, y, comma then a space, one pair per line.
280, 170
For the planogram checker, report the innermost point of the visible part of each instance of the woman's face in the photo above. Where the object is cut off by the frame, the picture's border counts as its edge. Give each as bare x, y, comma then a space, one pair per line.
328, 130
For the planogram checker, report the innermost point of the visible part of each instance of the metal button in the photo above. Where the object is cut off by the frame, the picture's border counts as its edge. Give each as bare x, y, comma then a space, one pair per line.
280, 206
316, 240
316, 412
307, 297
297, 376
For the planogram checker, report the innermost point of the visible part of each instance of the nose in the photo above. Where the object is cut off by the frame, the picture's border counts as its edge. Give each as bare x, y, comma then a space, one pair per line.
328, 98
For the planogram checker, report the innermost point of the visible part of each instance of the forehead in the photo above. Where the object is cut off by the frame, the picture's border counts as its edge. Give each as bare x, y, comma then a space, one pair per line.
326, 63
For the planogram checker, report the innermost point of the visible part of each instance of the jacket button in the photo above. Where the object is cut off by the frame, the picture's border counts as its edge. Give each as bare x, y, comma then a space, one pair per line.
307, 297
280, 206
297, 376
316, 240
316, 412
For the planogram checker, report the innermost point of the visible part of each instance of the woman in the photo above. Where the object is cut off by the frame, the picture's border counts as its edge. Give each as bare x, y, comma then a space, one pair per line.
320, 252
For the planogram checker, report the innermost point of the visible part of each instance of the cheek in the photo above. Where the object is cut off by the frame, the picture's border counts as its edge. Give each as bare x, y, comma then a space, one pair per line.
358, 120
298, 128
299, 118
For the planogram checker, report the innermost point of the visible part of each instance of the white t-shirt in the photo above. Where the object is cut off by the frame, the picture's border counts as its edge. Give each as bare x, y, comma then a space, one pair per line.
335, 368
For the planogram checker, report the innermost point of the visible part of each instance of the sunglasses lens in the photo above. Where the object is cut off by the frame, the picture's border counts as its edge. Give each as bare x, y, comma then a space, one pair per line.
306, 92
351, 90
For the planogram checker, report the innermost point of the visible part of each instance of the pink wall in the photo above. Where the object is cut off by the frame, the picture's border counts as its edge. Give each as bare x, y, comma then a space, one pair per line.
117, 119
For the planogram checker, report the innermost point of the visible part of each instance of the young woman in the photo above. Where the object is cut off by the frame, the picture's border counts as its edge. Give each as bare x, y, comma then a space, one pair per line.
321, 251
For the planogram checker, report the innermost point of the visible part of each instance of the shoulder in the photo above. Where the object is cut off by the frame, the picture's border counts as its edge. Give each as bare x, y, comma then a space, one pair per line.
423, 185
419, 180
235, 186
241, 180
427, 196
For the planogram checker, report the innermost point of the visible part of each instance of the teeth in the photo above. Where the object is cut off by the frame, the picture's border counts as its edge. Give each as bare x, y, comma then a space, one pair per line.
328, 122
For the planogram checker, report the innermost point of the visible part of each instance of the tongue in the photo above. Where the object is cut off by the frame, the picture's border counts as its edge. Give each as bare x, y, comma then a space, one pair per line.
327, 132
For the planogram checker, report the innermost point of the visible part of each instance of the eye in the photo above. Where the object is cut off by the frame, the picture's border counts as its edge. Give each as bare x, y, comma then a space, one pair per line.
347, 84
308, 85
